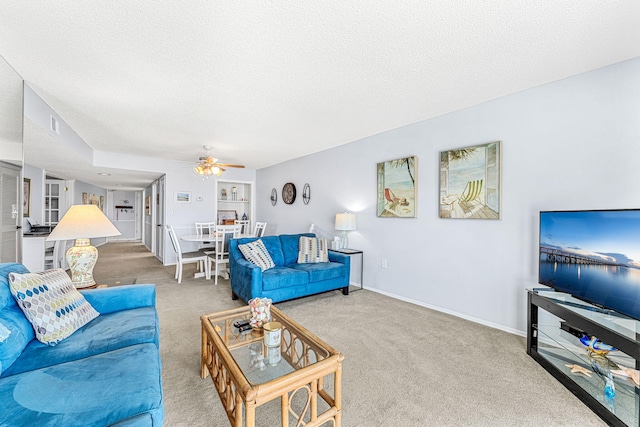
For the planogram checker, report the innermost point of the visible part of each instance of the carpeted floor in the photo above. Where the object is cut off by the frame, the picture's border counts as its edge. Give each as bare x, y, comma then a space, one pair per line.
437, 370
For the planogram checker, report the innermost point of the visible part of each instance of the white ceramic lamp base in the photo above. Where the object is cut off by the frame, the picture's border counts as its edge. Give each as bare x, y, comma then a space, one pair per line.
81, 259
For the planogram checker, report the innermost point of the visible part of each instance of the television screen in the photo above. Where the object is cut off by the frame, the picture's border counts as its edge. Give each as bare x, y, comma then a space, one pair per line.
594, 256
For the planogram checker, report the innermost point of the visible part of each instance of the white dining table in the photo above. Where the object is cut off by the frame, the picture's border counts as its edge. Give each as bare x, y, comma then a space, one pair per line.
200, 237
207, 237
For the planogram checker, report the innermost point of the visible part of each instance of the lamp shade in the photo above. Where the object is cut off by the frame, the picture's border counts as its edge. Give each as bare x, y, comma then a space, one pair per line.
83, 221
345, 221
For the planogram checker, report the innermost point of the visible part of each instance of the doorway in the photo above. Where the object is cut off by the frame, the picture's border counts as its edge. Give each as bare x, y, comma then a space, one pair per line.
10, 191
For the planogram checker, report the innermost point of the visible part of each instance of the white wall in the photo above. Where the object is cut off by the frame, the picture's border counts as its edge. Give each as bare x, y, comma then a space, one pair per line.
36, 109
571, 144
125, 220
202, 208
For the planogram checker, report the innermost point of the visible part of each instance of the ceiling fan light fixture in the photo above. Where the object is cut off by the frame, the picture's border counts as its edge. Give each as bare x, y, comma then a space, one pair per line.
209, 165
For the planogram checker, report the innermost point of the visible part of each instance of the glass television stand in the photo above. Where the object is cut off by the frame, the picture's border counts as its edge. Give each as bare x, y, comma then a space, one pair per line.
593, 351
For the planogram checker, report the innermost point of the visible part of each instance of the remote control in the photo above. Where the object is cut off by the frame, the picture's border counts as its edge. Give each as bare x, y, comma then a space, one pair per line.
244, 328
240, 323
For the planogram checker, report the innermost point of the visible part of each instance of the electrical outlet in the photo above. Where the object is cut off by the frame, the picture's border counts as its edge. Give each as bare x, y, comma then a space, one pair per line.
384, 263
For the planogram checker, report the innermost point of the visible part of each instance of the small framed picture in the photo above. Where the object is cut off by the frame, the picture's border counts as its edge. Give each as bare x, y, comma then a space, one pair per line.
182, 197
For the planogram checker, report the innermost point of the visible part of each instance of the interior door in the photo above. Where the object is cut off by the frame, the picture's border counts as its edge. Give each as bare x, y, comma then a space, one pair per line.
159, 209
10, 192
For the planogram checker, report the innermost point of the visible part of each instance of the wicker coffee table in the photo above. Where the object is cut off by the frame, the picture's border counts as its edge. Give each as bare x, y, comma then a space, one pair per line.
248, 374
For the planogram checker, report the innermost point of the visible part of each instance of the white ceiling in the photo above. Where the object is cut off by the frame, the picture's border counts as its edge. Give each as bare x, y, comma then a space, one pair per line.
264, 82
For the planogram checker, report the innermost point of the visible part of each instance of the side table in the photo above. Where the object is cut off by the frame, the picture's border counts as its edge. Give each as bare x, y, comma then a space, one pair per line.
350, 252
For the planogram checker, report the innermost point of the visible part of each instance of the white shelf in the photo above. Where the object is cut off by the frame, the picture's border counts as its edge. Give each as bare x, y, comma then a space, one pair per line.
241, 204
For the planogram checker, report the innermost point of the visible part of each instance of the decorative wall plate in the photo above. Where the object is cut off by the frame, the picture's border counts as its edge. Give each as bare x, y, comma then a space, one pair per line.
274, 197
289, 193
306, 194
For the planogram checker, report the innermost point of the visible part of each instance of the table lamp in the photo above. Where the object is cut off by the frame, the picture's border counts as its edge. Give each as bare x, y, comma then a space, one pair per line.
345, 222
82, 222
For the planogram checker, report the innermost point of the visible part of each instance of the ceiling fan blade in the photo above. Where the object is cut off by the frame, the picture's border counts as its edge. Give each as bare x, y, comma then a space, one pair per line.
228, 165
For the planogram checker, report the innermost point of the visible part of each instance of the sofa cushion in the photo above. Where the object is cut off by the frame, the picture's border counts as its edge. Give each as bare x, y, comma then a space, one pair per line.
274, 247
256, 253
283, 277
17, 329
6, 299
52, 304
322, 271
118, 298
312, 250
100, 390
290, 244
105, 333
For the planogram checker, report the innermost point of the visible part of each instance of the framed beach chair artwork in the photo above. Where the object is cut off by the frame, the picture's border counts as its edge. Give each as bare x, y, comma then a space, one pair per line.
397, 183
470, 182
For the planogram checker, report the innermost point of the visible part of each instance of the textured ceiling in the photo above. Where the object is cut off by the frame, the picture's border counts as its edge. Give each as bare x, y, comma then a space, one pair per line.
264, 82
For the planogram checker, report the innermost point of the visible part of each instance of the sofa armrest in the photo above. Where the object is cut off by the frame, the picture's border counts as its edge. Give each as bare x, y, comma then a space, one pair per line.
246, 278
341, 258
118, 298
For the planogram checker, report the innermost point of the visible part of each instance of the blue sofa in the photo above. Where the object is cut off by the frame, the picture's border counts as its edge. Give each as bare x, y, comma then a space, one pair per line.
288, 279
107, 373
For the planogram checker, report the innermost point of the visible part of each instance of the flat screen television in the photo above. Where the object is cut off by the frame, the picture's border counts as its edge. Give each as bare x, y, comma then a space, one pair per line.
594, 256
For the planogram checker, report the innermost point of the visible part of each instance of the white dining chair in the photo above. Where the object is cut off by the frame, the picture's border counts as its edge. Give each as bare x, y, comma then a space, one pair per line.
221, 258
198, 257
203, 228
258, 230
54, 256
50, 253
245, 226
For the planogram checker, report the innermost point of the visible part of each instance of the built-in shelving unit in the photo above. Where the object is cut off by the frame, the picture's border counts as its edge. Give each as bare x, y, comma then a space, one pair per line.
556, 322
234, 199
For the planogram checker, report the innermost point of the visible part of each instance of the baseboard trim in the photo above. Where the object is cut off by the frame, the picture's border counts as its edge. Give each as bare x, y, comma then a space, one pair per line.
451, 312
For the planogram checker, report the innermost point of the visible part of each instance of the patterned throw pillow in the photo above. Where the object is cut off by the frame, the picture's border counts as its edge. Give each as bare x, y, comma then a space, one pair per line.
52, 304
257, 253
312, 249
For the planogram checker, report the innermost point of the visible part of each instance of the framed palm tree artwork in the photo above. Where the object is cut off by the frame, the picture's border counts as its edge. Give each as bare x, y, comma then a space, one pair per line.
397, 183
470, 182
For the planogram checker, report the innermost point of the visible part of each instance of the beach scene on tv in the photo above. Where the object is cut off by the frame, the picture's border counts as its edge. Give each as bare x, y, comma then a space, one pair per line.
593, 255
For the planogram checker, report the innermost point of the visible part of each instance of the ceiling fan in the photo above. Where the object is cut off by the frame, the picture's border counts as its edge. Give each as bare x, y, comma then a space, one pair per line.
208, 165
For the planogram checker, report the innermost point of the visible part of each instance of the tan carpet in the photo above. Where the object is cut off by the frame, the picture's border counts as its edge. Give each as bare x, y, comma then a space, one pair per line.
404, 365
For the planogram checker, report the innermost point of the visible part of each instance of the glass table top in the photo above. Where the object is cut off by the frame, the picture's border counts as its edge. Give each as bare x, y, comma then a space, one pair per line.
261, 364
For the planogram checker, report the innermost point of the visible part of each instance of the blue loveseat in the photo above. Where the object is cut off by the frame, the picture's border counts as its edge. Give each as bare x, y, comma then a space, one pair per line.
107, 373
288, 279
